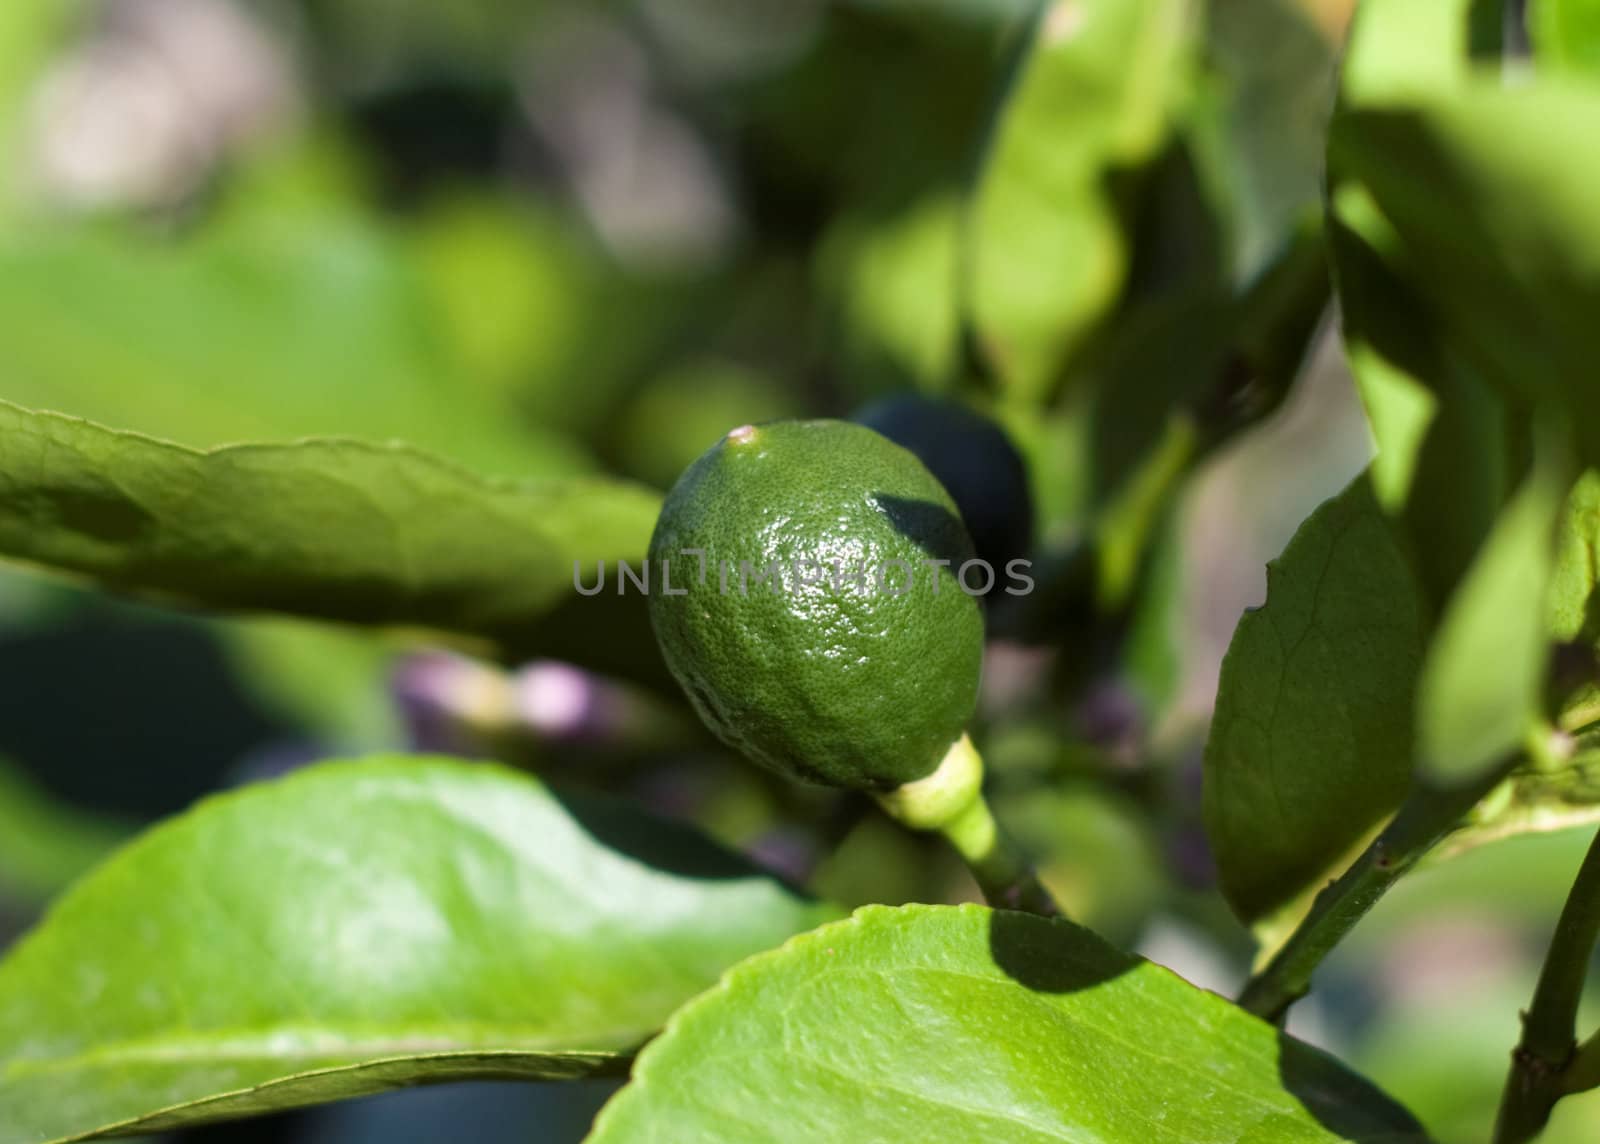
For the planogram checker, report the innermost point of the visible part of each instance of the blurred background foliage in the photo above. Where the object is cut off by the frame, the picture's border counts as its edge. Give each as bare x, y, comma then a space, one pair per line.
545, 238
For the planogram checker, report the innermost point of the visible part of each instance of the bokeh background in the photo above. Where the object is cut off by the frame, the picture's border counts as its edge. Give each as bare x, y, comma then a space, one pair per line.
547, 237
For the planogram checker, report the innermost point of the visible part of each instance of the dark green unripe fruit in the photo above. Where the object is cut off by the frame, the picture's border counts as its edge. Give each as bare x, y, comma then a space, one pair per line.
823, 640
974, 460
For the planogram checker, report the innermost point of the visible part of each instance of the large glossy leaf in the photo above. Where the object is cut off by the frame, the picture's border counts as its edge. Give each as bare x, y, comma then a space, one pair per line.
343, 530
1311, 742
1048, 254
961, 1023
360, 926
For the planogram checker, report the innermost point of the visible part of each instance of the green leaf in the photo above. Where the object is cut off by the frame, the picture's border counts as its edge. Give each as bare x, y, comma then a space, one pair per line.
962, 1023
1401, 46
895, 280
1566, 35
1576, 573
1482, 684
1311, 741
1488, 196
360, 926
342, 530
522, 300
1444, 463
1277, 78
1558, 786
1048, 256
271, 324
329, 681
1439, 426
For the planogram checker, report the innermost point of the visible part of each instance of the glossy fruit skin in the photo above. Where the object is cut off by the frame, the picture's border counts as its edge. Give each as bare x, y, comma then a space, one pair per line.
827, 680
975, 461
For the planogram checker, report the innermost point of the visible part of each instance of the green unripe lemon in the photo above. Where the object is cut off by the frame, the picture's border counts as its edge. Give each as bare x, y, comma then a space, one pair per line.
825, 632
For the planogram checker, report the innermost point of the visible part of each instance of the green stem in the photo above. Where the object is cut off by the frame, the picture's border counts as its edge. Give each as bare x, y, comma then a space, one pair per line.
1542, 1064
1001, 870
950, 801
1425, 818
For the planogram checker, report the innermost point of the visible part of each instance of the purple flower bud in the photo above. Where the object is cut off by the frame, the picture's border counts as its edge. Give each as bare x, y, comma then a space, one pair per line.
448, 701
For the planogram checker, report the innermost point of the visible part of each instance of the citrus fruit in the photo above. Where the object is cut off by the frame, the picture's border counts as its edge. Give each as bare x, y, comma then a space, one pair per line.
974, 460
807, 596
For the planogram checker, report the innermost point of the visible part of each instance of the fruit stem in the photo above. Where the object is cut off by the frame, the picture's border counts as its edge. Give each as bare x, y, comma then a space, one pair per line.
1001, 870
950, 801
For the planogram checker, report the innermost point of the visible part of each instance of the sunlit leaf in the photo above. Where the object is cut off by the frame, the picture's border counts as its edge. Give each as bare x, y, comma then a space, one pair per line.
357, 927
962, 1023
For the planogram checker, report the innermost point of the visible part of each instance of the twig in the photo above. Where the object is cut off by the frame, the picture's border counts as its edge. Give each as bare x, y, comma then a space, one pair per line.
1426, 817
1543, 1065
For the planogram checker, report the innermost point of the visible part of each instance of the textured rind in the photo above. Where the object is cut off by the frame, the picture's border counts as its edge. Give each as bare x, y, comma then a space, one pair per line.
823, 681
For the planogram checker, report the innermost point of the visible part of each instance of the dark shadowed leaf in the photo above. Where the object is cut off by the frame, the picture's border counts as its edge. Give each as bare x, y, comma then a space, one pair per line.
1311, 743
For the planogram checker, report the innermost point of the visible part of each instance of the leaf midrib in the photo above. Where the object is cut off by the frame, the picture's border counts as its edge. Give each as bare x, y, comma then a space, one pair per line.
319, 1045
